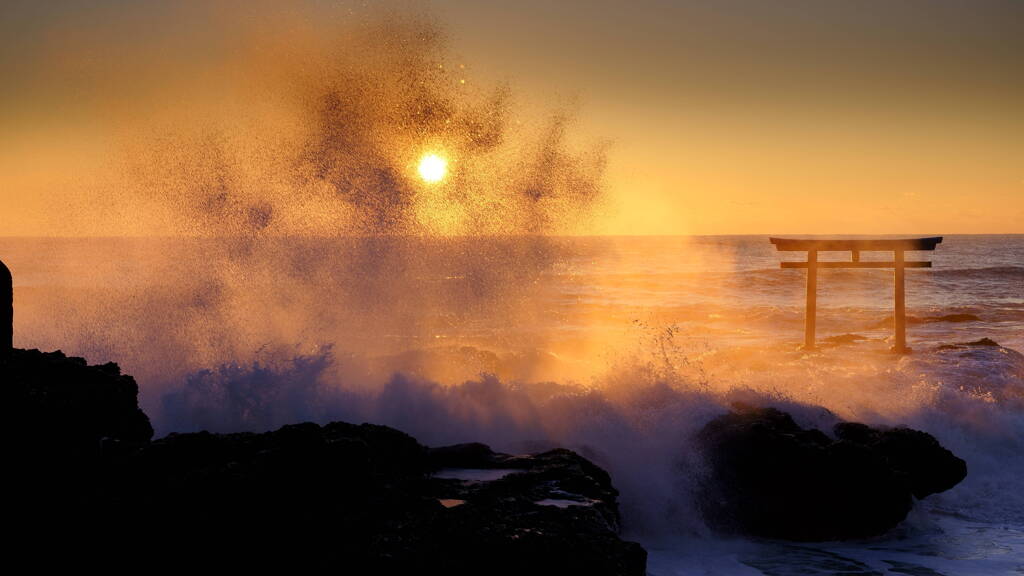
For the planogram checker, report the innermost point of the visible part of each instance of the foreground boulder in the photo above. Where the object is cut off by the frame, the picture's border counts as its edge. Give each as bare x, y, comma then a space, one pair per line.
555, 511
360, 499
53, 397
370, 496
769, 477
56, 413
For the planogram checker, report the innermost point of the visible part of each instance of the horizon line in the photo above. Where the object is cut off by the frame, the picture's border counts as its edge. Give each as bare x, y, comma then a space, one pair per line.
435, 236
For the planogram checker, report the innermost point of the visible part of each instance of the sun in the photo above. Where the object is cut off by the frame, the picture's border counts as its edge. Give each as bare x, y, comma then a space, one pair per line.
433, 168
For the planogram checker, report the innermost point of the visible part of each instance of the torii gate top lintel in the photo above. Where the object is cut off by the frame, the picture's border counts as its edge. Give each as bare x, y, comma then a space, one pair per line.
855, 246
860, 244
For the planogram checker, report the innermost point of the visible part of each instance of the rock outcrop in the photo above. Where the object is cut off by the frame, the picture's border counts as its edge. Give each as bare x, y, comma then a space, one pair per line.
522, 508
352, 498
47, 396
57, 417
769, 477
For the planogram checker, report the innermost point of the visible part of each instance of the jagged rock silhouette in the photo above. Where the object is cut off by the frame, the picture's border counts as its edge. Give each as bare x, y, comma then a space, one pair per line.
6, 311
769, 477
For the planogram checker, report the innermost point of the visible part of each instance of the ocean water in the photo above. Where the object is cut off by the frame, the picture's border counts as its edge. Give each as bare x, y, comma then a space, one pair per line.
618, 347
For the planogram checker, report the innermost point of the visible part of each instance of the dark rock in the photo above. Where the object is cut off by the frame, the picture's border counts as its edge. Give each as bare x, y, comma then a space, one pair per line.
769, 477
365, 496
953, 318
470, 455
354, 498
927, 466
6, 312
521, 517
47, 396
57, 416
987, 342
839, 339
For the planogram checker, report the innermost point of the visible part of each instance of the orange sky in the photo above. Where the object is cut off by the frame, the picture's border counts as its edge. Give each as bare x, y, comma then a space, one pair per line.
737, 116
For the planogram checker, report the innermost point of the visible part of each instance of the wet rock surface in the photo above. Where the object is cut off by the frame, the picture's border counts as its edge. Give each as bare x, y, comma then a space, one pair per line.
962, 345
769, 477
555, 504
355, 498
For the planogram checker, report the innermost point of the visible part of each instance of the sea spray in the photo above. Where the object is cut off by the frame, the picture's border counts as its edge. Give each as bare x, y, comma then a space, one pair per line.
288, 160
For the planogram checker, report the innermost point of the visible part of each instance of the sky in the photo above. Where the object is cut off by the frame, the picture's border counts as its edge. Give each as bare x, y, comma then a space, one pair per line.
723, 117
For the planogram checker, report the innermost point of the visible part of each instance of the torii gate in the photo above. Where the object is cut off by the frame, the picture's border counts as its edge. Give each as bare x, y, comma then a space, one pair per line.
897, 247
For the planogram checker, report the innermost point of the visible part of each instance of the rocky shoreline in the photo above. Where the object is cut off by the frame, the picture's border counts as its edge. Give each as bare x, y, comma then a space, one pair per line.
340, 495
82, 462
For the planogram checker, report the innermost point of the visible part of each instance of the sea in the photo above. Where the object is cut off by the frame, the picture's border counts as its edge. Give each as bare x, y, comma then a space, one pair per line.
621, 348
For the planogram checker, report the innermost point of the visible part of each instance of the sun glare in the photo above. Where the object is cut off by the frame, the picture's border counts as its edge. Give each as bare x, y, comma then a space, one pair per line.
433, 168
